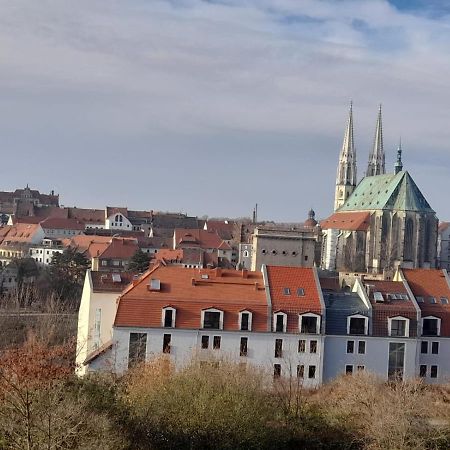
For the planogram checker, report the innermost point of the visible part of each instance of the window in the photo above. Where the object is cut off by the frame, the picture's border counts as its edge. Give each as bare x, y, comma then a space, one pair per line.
423, 371
312, 372
243, 350
212, 319
277, 370
286, 291
300, 292
137, 348
245, 254
348, 369
245, 321
300, 371
444, 300
433, 371
396, 360
357, 324
362, 347
433, 300
301, 346
398, 326
104, 262
279, 322
350, 346
360, 368
216, 342
313, 347
205, 341
419, 299
424, 347
166, 343
431, 326
168, 317
309, 323
435, 348
278, 348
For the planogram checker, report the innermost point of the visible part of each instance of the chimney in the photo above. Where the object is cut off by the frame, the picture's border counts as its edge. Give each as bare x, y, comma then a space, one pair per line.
244, 273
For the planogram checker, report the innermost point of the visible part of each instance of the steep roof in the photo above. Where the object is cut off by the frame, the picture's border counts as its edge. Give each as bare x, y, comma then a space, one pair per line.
120, 248
388, 191
190, 291
281, 278
351, 221
199, 238
20, 233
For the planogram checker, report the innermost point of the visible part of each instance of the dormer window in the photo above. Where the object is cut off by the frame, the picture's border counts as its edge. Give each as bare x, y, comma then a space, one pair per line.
212, 319
286, 291
280, 322
300, 292
357, 324
419, 299
431, 326
168, 317
398, 326
444, 300
433, 300
245, 321
309, 323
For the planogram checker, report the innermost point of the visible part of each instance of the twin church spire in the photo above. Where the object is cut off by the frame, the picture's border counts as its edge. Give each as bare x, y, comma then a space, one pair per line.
346, 172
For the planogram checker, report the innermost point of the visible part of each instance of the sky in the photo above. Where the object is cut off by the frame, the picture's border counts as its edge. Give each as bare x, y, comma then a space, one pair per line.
208, 107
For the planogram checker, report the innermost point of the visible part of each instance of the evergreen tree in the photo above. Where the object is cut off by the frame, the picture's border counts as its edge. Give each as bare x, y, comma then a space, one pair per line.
139, 262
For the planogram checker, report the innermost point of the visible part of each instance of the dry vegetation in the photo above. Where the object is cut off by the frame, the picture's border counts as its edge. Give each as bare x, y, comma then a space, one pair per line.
221, 406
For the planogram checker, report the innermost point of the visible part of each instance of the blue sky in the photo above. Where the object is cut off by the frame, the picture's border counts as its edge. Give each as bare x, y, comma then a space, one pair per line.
210, 107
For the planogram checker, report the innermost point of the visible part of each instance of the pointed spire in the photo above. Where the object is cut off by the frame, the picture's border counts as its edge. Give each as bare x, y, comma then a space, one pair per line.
346, 172
399, 163
376, 164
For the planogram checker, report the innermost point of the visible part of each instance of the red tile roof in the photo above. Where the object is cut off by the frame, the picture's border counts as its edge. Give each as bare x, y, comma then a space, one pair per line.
104, 281
390, 307
427, 283
120, 248
20, 233
91, 216
350, 221
293, 278
443, 226
190, 291
199, 238
62, 224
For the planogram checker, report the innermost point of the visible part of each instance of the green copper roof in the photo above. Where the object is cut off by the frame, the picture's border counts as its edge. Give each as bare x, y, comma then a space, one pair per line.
389, 191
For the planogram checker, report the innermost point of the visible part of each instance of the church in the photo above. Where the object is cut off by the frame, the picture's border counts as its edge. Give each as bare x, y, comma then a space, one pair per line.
381, 223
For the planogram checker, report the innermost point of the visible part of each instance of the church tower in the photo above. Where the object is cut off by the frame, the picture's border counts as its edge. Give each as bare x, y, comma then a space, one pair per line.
376, 164
346, 172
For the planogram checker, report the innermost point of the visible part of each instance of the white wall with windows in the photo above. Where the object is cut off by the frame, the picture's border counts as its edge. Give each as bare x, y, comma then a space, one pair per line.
346, 354
293, 353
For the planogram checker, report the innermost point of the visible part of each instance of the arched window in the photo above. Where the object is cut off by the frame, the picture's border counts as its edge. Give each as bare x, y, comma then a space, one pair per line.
409, 238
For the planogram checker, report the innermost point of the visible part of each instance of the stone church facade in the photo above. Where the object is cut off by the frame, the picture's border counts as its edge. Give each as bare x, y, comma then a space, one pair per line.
381, 223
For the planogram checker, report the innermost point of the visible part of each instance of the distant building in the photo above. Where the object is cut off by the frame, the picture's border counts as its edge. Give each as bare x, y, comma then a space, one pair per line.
443, 251
382, 223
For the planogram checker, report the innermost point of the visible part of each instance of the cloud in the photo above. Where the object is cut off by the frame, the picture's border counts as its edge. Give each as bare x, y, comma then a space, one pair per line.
213, 84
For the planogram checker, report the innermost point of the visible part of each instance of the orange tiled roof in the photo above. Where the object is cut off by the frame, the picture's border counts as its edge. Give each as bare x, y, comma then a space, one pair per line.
62, 224
351, 221
293, 278
20, 233
103, 281
427, 283
201, 238
120, 248
190, 291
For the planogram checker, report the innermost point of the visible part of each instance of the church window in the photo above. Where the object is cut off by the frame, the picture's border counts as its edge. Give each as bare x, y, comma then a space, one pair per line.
409, 237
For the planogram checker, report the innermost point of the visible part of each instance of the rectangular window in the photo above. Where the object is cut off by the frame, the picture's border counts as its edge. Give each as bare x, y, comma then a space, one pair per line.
137, 348
398, 327
211, 320
244, 321
301, 346
309, 324
300, 292
396, 360
348, 369
312, 372
350, 346
243, 346
168, 318
360, 368
433, 371
216, 342
357, 325
166, 343
278, 348
423, 370
435, 348
300, 371
279, 328
313, 347
277, 370
362, 347
205, 341
430, 327
424, 347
